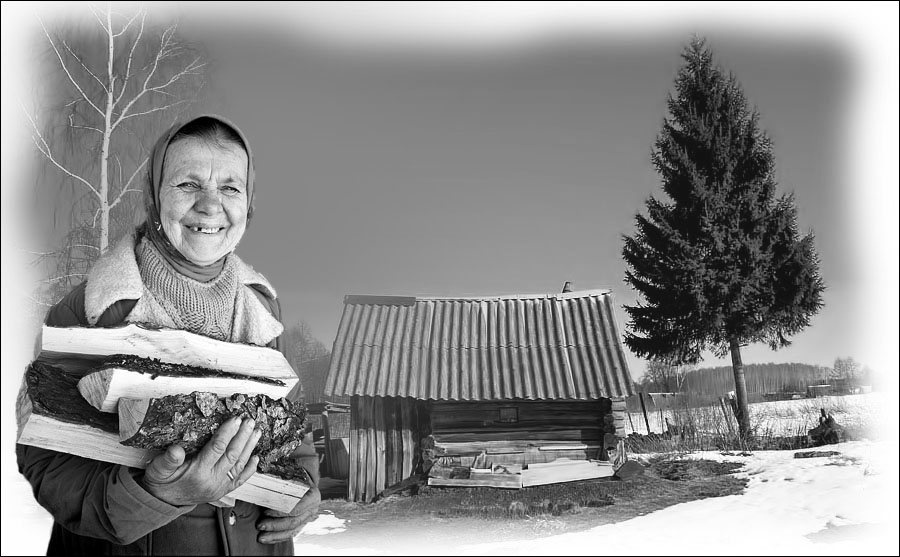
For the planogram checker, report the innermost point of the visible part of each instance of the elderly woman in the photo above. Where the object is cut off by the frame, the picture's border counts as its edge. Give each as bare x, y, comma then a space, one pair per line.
177, 270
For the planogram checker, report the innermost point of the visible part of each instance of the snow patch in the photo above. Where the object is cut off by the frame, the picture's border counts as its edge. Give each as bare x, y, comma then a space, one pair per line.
325, 523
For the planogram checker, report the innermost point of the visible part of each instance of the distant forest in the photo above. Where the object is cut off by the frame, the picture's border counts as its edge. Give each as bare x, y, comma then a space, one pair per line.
761, 378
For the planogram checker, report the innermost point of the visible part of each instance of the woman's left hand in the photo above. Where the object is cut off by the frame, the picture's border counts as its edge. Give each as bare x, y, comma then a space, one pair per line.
278, 527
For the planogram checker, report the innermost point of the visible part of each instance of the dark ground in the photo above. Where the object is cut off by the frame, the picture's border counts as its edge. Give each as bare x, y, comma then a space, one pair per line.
438, 515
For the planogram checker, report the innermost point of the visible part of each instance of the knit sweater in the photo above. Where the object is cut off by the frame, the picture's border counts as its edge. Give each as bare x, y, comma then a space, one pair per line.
116, 276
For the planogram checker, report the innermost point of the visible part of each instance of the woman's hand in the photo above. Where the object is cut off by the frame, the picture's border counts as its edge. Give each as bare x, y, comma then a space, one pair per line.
222, 465
279, 527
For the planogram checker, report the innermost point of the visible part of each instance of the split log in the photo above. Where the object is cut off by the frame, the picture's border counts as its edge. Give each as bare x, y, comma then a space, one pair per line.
50, 414
81, 349
125, 375
191, 420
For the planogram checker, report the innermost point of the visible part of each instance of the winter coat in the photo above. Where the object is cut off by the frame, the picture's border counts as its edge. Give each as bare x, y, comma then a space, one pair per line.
98, 507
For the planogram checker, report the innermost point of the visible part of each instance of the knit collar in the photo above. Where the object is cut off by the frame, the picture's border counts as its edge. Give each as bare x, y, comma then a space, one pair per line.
115, 276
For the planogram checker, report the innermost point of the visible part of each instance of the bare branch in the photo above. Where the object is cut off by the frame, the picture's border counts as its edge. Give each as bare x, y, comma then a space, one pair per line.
44, 148
119, 165
75, 126
66, 69
164, 42
130, 21
131, 56
38, 302
136, 170
157, 109
126, 188
96, 214
97, 15
191, 69
109, 64
84, 246
83, 65
121, 194
63, 277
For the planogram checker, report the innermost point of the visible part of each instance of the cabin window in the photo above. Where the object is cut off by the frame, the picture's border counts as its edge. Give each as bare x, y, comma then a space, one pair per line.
509, 415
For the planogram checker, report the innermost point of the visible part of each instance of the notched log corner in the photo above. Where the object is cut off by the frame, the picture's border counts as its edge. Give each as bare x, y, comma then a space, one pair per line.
190, 420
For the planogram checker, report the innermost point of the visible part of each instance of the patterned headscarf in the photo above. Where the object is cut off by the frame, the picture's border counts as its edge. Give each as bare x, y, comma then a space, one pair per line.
154, 229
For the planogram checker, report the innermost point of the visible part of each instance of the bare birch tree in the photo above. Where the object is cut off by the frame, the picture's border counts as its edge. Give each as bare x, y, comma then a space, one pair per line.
666, 377
122, 79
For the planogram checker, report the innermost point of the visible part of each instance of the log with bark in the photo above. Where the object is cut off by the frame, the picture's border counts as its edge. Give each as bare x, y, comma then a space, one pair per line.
125, 375
191, 420
52, 414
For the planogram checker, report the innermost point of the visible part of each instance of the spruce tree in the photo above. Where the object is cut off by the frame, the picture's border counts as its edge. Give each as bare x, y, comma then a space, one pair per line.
721, 263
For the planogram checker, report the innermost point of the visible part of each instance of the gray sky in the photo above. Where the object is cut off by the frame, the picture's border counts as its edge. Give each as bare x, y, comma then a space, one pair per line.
504, 148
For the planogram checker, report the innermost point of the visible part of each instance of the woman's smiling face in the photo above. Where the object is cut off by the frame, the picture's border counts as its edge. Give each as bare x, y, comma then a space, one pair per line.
203, 198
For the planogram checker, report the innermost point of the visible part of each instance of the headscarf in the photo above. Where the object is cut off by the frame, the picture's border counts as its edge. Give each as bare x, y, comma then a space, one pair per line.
153, 227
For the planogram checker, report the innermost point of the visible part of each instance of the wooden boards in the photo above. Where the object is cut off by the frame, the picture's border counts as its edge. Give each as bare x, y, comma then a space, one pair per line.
565, 471
500, 480
559, 471
383, 445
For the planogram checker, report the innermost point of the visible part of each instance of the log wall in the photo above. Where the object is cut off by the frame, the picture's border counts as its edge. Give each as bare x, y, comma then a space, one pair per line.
545, 431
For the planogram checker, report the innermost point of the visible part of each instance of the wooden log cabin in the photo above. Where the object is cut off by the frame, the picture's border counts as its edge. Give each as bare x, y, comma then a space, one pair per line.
463, 387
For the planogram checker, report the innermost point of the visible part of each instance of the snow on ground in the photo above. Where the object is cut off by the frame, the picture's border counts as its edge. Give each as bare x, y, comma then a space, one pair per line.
840, 505
325, 523
843, 505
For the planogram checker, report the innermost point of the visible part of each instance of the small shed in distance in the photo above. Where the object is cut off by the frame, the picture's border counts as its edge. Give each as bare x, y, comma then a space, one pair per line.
449, 384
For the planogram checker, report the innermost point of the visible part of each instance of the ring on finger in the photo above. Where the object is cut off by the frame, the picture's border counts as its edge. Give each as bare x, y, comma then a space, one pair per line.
230, 475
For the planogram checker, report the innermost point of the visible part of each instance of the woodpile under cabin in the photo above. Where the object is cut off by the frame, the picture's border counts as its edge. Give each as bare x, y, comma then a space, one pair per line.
503, 391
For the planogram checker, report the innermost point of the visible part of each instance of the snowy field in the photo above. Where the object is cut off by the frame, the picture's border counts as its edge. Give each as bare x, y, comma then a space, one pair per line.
779, 418
842, 505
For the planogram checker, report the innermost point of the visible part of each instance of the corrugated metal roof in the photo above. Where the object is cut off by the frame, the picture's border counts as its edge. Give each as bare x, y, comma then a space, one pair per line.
548, 346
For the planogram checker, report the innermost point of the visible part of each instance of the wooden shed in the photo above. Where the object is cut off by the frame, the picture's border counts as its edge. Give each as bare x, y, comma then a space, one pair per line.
456, 387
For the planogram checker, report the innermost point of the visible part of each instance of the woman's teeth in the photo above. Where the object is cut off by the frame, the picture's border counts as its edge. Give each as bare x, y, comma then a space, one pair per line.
205, 230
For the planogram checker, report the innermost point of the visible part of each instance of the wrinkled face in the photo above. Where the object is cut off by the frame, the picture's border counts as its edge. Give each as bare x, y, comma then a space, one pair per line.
203, 198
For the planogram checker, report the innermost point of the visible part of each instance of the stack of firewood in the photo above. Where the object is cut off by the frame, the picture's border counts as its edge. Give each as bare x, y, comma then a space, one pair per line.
122, 395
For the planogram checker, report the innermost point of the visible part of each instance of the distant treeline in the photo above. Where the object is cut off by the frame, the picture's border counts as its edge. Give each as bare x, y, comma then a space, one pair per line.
760, 378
